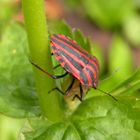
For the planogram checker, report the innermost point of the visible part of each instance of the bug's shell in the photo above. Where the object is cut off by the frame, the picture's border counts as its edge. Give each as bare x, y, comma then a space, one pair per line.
75, 60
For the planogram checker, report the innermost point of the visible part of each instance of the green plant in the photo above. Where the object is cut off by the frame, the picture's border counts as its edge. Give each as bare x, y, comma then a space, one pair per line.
49, 116
117, 15
131, 29
109, 14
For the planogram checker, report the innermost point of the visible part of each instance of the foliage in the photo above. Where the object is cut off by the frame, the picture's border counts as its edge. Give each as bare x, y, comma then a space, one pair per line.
97, 117
116, 15
7, 11
10, 127
132, 29
109, 14
17, 88
120, 58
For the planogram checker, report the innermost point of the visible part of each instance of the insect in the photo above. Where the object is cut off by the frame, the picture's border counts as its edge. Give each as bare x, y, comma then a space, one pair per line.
76, 61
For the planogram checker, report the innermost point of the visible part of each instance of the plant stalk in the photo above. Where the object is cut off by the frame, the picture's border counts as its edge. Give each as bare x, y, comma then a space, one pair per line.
38, 38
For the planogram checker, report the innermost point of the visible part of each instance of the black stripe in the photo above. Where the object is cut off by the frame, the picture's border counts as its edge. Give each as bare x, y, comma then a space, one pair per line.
57, 54
68, 42
74, 53
67, 68
79, 67
75, 64
84, 77
91, 74
70, 50
61, 60
72, 61
67, 48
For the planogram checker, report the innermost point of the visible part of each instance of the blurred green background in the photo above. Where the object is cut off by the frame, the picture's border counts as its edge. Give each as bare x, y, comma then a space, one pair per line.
113, 27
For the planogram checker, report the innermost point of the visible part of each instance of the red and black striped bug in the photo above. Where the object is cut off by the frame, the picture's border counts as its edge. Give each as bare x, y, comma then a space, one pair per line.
76, 61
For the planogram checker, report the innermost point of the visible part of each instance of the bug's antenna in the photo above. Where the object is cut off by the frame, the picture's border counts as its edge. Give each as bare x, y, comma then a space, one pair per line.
112, 74
107, 94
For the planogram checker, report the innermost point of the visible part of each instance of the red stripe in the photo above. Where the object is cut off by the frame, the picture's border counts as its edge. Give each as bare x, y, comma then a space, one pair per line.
71, 55
93, 70
78, 47
77, 60
76, 73
90, 60
88, 78
75, 44
62, 63
54, 51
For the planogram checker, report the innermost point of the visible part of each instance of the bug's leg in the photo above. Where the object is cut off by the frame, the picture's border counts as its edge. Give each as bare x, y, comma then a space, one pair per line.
69, 87
66, 92
76, 96
52, 76
56, 66
81, 91
57, 90
107, 94
81, 94
60, 76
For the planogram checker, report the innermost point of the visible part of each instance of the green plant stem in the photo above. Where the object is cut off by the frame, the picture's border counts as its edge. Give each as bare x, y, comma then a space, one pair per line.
37, 32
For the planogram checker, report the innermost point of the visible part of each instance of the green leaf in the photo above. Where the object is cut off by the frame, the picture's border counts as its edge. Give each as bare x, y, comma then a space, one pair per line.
120, 67
96, 118
129, 86
132, 29
120, 59
17, 88
82, 41
97, 52
44, 129
78, 37
10, 128
59, 27
109, 14
106, 119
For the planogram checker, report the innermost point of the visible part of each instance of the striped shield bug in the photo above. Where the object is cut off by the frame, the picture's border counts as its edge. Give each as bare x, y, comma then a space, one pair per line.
76, 61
